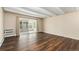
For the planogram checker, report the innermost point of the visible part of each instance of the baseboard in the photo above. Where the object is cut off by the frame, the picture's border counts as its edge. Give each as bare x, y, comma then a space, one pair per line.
41, 32
62, 36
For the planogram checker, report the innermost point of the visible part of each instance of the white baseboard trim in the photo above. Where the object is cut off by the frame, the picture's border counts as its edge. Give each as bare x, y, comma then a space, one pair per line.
63, 36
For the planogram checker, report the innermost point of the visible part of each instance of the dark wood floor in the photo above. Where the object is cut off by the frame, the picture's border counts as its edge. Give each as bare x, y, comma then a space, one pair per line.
39, 42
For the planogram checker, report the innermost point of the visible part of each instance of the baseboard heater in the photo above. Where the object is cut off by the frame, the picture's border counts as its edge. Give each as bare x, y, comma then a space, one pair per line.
9, 32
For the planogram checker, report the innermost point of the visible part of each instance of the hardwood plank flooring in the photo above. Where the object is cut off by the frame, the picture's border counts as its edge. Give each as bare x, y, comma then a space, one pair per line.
39, 42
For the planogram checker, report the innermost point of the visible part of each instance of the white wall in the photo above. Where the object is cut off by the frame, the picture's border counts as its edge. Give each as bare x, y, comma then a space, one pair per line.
1, 27
10, 22
64, 25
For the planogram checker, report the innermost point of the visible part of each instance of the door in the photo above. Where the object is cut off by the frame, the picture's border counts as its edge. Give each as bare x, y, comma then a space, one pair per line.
28, 26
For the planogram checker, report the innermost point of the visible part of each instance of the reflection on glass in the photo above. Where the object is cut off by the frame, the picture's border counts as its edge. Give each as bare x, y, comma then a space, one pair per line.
28, 26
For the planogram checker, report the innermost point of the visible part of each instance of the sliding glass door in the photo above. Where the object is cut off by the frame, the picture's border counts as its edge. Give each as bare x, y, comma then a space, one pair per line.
23, 26
32, 26
28, 25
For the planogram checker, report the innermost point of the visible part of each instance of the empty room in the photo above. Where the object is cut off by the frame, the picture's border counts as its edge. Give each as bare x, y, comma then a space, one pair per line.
39, 28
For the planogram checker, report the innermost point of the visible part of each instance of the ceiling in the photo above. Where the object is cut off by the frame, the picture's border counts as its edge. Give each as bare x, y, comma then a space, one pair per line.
41, 12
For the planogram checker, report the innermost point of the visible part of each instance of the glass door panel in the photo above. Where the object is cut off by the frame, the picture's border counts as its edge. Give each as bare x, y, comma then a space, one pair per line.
28, 26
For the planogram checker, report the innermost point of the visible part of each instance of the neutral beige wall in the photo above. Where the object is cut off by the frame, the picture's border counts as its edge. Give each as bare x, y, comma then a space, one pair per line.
1, 26
10, 21
40, 25
65, 25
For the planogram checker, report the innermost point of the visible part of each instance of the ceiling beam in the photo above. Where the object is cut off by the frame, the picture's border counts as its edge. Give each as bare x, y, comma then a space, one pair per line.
40, 10
77, 8
30, 12
55, 10
60, 10
23, 11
